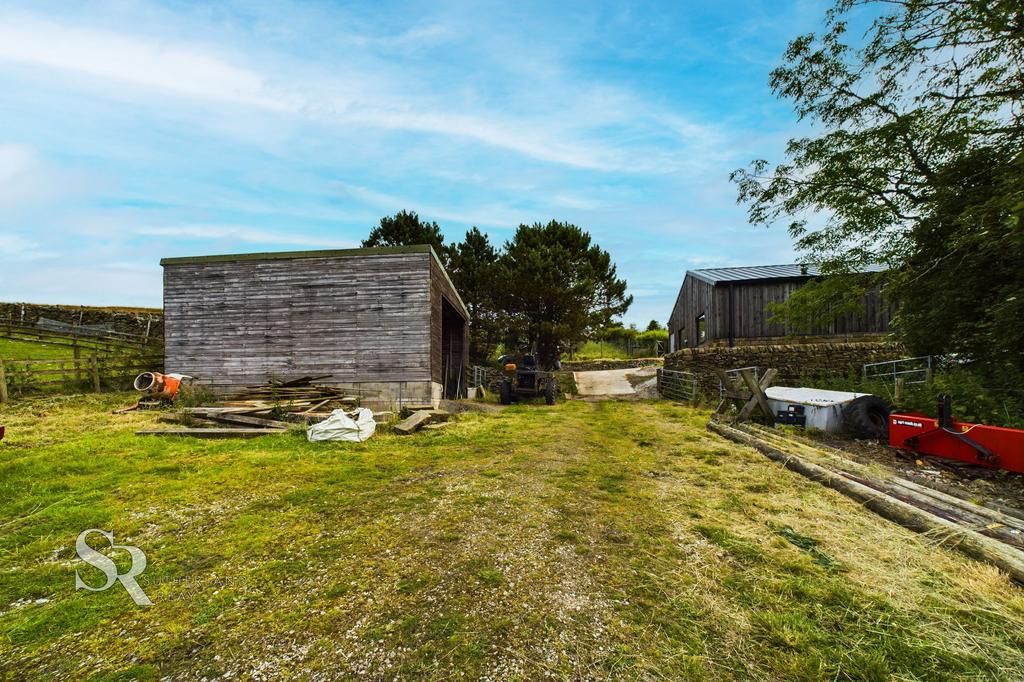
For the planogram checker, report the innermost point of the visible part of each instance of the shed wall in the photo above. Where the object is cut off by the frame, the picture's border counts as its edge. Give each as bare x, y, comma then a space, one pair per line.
749, 306
358, 318
695, 297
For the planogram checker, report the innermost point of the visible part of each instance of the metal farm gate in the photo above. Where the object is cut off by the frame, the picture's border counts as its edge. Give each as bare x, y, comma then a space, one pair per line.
677, 385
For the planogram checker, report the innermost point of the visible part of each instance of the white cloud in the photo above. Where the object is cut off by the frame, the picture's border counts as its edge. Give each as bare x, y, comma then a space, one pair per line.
14, 247
556, 124
83, 282
479, 215
15, 160
174, 68
28, 180
244, 234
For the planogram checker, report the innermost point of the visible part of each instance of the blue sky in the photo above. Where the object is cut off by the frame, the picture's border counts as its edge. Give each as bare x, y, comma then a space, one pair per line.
133, 130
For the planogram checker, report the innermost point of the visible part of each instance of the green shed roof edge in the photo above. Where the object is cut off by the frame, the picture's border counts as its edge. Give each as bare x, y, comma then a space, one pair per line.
324, 253
285, 255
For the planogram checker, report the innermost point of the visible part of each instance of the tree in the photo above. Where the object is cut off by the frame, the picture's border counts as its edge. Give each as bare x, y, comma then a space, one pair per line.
654, 325
654, 339
474, 266
930, 101
559, 288
406, 229
962, 289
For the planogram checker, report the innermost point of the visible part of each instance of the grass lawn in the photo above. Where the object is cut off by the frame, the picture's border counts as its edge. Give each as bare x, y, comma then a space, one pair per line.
11, 349
595, 350
587, 540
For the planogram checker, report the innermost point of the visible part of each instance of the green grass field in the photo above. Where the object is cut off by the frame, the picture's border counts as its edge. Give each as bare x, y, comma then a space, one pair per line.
596, 350
583, 541
11, 349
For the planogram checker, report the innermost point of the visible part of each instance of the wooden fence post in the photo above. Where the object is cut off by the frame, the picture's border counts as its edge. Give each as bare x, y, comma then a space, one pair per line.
94, 367
78, 365
3, 383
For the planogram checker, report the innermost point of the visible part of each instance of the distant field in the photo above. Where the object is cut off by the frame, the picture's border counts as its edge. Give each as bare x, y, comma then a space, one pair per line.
32, 350
595, 350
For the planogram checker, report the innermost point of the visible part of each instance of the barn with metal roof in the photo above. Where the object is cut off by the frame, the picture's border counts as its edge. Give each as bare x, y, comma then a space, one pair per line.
724, 305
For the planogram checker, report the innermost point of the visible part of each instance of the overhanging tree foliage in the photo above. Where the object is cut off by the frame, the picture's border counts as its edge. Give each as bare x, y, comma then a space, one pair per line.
558, 287
962, 290
918, 168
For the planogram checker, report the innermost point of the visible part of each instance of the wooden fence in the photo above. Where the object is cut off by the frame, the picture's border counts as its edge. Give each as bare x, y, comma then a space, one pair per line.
96, 372
71, 337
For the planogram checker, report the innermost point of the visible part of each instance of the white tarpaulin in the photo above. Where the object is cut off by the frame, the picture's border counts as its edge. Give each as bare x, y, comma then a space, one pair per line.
355, 426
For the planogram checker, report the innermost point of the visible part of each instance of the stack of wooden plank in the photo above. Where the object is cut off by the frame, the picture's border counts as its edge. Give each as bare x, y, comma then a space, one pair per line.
259, 410
296, 400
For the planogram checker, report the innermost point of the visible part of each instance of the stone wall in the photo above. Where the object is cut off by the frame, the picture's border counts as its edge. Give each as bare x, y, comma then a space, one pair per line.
799, 340
127, 320
798, 364
597, 365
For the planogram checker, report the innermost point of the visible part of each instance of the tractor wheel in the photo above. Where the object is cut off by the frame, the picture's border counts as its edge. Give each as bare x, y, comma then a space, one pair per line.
867, 417
549, 392
506, 393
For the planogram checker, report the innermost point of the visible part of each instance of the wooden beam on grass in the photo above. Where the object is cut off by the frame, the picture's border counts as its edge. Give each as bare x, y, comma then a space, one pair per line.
413, 422
945, 532
210, 433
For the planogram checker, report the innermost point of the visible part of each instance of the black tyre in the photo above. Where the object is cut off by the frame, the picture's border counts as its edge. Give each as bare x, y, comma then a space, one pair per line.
549, 392
867, 417
505, 394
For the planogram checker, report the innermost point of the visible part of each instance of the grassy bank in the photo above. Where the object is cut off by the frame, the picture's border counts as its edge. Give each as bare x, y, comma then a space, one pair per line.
11, 349
600, 350
609, 540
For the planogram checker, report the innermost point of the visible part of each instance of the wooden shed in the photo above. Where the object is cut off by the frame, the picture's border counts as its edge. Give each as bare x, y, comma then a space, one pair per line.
730, 305
384, 321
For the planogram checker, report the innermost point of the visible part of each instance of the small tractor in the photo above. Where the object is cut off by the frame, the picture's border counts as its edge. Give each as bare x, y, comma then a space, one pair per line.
526, 380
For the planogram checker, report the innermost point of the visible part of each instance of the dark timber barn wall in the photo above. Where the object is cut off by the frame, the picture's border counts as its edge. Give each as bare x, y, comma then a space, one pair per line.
375, 319
742, 295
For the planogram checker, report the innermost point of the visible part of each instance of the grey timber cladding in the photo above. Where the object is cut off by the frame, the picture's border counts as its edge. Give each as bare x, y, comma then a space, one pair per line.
359, 315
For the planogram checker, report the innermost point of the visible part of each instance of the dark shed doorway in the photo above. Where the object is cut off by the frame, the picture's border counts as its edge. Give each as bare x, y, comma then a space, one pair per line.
453, 351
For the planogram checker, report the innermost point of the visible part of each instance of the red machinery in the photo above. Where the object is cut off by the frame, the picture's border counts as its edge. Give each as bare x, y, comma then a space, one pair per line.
988, 446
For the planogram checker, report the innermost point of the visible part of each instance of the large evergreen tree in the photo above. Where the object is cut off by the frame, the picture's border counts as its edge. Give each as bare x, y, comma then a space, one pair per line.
406, 229
559, 287
474, 265
548, 288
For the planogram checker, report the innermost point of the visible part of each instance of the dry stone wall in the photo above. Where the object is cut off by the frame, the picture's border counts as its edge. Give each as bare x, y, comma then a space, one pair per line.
599, 365
129, 321
797, 363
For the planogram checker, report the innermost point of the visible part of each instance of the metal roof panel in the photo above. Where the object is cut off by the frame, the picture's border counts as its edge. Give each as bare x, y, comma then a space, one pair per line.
752, 273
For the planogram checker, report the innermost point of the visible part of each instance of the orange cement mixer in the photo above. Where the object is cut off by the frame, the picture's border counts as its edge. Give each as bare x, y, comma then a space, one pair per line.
157, 385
